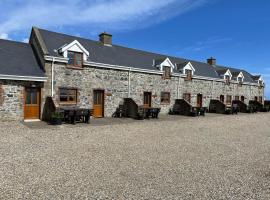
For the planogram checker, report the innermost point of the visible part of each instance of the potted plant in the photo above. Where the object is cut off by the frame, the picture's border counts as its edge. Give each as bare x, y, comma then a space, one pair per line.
57, 118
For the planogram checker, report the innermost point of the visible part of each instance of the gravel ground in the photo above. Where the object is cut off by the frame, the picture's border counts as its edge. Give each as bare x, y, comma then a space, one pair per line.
224, 157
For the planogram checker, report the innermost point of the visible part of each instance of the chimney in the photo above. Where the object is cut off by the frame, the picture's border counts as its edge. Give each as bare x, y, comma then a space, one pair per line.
211, 61
105, 38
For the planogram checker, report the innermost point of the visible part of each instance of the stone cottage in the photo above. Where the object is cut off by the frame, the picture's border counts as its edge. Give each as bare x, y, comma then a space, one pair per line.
99, 74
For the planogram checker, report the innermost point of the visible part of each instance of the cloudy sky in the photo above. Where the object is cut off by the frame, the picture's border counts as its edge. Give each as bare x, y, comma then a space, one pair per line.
236, 32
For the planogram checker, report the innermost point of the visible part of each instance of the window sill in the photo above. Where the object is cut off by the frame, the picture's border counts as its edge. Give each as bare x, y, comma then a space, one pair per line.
67, 104
74, 67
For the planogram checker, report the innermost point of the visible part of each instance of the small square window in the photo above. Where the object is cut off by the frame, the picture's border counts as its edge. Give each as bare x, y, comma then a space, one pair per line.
165, 97
68, 95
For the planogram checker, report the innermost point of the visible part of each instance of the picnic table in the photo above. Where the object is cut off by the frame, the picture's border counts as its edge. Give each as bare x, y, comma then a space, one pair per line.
73, 114
151, 112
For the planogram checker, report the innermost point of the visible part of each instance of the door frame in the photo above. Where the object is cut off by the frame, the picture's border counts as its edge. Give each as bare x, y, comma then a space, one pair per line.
39, 103
149, 93
103, 100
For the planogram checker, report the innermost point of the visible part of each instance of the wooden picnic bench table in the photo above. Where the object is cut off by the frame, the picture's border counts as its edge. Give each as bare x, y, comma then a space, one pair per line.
74, 114
151, 112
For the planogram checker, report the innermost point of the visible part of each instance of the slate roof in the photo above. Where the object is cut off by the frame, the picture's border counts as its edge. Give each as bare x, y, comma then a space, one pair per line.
18, 59
247, 76
123, 56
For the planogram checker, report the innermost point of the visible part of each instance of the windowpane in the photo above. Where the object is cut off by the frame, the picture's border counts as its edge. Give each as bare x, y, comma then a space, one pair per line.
78, 58
34, 96
71, 58
28, 97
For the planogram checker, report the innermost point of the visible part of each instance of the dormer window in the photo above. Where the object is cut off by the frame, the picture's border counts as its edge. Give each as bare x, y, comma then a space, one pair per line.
240, 79
227, 79
260, 83
167, 72
75, 59
188, 72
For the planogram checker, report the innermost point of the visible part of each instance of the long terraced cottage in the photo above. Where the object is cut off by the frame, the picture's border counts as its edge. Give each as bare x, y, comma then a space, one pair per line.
99, 74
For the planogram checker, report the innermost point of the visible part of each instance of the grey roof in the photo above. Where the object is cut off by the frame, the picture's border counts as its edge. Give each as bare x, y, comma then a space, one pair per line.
18, 59
247, 76
123, 56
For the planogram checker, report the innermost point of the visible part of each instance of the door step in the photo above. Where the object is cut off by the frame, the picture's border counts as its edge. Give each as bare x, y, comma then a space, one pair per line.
32, 120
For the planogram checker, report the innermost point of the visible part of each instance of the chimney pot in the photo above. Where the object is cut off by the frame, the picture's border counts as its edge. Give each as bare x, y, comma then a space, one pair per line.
105, 38
211, 61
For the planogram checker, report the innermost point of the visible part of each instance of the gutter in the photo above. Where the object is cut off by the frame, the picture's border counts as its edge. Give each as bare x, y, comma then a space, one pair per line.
23, 78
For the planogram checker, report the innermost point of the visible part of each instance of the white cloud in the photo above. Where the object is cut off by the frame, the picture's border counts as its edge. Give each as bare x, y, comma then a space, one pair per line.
96, 15
4, 36
25, 40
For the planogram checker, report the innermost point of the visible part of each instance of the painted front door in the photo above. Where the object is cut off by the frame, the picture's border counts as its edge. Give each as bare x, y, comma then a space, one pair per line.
98, 103
199, 100
147, 96
32, 103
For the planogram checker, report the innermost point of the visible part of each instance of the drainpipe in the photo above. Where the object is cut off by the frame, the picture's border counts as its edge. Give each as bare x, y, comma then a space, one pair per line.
212, 91
178, 86
129, 82
52, 83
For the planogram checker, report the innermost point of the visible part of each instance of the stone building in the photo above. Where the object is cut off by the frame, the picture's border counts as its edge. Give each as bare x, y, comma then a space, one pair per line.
99, 74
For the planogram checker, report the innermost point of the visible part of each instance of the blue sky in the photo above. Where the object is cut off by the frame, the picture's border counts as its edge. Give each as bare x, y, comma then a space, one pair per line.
236, 32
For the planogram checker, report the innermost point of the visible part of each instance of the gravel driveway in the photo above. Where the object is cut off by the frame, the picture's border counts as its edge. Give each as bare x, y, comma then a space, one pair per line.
224, 157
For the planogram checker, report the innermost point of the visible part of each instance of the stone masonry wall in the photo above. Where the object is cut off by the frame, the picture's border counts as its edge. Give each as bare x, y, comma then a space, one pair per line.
12, 96
115, 85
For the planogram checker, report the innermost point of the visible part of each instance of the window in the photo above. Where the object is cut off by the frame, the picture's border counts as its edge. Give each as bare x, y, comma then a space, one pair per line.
75, 59
227, 79
240, 79
228, 99
1, 95
186, 96
167, 72
188, 72
242, 98
68, 95
165, 97
236, 98
260, 83
256, 98
260, 99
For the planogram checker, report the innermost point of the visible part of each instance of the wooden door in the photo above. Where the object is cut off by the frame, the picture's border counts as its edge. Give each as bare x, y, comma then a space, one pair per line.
32, 103
221, 98
199, 100
98, 103
147, 96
